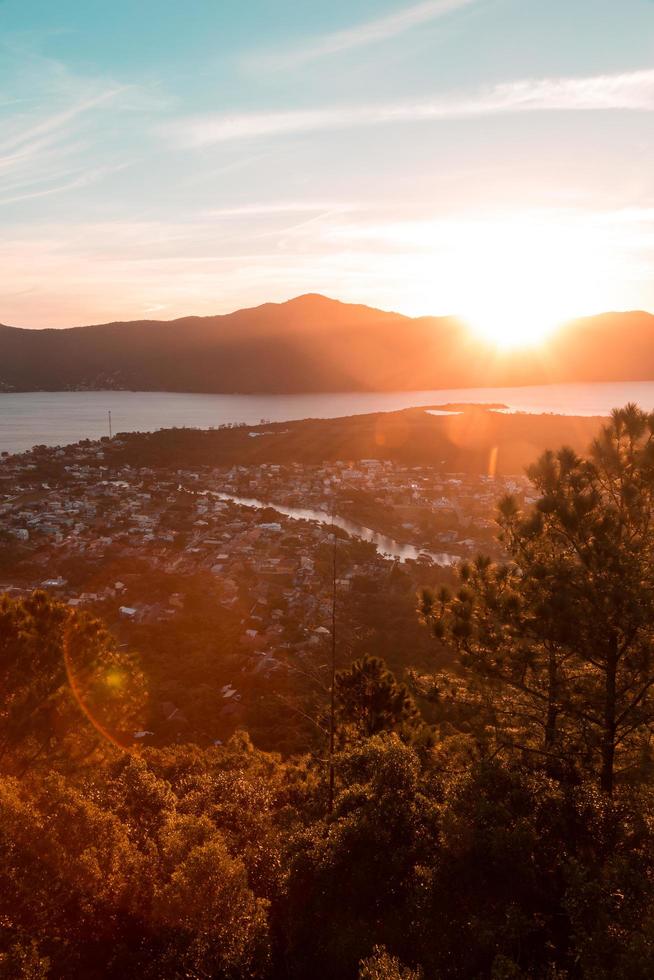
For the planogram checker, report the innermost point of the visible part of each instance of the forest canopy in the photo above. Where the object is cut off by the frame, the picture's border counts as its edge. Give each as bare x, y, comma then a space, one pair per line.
492, 814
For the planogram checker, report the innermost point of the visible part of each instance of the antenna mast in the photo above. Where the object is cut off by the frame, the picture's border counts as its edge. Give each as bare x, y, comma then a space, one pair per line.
332, 707
109, 414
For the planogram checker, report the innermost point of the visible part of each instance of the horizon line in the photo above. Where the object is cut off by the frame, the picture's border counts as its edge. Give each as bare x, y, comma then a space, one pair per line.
314, 295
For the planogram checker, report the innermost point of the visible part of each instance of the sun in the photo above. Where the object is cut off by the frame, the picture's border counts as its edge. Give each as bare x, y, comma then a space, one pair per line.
524, 280
509, 321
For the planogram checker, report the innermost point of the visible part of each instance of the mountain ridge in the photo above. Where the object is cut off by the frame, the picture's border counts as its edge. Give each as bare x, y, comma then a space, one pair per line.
312, 343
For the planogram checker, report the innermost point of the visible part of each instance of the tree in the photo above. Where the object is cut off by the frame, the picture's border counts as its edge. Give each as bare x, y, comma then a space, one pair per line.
380, 965
539, 879
562, 636
57, 666
511, 658
357, 877
32, 669
216, 925
117, 878
371, 700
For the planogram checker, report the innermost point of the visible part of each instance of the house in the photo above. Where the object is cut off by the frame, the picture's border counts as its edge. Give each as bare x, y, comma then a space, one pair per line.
227, 691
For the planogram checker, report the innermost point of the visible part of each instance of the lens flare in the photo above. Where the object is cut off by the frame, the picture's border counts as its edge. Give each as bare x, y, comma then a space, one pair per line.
108, 686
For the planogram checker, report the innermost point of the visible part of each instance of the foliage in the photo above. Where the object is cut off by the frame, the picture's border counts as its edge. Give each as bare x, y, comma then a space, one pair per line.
364, 863
381, 966
371, 701
63, 680
494, 846
560, 638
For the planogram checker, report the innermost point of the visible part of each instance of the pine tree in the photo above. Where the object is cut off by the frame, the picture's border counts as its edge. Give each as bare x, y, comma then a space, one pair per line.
371, 700
562, 634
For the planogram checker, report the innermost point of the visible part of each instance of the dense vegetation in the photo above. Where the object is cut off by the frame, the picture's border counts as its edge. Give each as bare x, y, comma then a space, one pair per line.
504, 831
460, 443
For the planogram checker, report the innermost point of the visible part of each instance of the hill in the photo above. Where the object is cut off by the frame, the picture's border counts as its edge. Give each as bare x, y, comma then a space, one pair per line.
312, 344
476, 442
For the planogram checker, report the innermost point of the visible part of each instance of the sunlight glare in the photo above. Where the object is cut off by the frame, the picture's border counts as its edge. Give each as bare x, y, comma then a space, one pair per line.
528, 278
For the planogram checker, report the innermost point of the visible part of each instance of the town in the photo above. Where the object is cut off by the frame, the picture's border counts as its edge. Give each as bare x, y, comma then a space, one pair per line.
222, 578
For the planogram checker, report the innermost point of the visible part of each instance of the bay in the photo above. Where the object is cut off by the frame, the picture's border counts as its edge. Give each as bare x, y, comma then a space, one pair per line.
63, 417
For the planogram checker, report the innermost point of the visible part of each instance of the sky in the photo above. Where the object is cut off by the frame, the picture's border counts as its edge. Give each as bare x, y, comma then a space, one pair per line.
491, 158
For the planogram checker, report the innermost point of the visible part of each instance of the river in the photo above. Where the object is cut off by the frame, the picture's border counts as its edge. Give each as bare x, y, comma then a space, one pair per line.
388, 547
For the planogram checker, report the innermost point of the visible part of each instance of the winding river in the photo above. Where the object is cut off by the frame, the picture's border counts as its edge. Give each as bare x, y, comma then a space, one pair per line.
387, 547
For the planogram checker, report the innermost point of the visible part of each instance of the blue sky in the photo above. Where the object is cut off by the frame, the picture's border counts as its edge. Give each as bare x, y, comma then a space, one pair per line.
160, 158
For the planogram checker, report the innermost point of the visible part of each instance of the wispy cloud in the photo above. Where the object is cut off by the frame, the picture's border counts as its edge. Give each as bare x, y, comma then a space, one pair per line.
31, 157
83, 179
361, 35
280, 207
54, 123
56, 141
627, 91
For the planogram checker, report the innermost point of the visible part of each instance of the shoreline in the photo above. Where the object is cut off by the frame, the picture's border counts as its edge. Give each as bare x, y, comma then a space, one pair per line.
28, 419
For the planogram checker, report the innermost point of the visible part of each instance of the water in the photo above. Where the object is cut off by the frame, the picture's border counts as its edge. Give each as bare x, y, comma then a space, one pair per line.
59, 418
385, 546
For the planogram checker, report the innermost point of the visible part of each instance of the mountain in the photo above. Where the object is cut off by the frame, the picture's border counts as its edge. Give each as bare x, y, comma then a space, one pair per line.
313, 344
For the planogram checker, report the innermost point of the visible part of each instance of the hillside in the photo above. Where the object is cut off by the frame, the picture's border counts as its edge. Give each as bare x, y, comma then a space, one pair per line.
476, 442
312, 344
